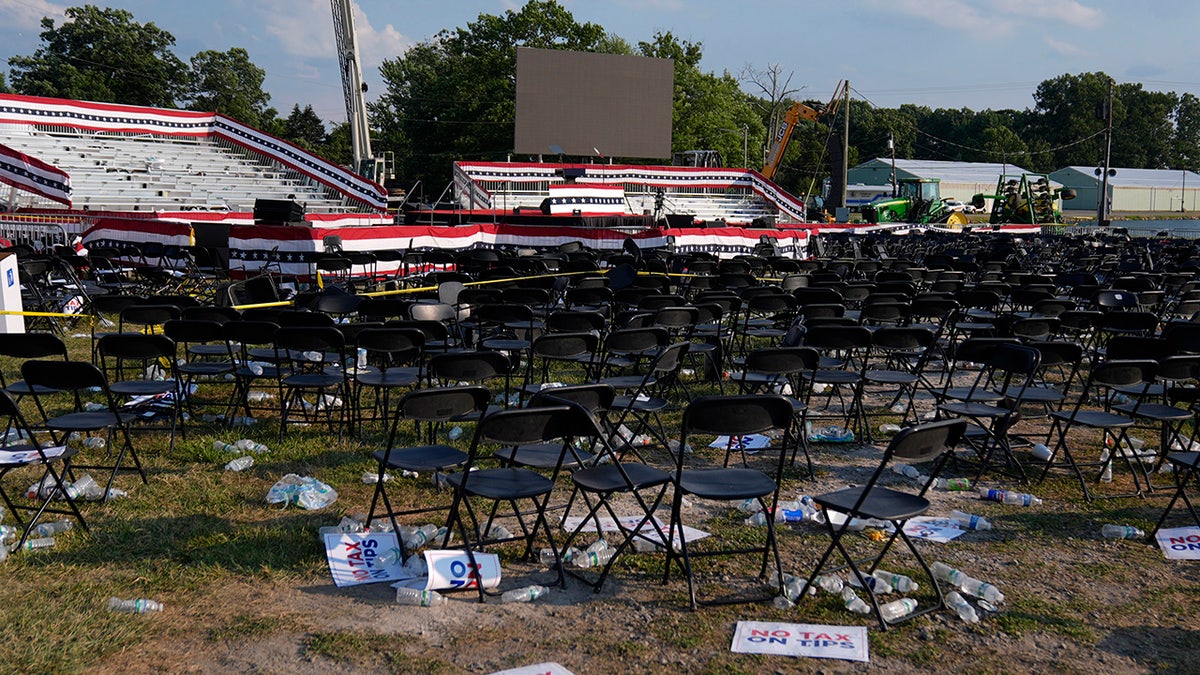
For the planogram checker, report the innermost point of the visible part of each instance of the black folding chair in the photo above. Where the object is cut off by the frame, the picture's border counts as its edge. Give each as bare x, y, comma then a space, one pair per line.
925, 443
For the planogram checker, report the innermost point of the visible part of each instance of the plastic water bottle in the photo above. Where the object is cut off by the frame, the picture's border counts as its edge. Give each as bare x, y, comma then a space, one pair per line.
792, 587
243, 421
961, 607
750, 506
1042, 453
240, 464
853, 602
969, 585
1121, 532
416, 566
906, 470
953, 484
830, 583
95, 443
455, 433
876, 584
370, 477
971, 522
1007, 497
387, 557
259, 396
596, 555
889, 428
222, 446
138, 606
351, 525
898, 609
420, 537
251, 446
501, 532
416, 598
34, 544
900, 582
527, 594
51, 529
87, 488
546, 556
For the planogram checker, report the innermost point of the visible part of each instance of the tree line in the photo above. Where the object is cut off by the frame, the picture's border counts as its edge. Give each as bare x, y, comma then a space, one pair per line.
453, 97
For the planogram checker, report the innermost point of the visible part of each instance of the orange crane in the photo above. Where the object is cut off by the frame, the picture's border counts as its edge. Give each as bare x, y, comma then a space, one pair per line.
792, 117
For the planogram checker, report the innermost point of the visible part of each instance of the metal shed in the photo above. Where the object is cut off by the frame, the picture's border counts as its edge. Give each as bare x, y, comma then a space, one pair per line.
959, 180
1134, 190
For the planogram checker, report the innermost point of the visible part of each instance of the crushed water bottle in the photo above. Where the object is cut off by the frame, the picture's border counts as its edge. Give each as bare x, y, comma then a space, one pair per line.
596, 555
791, 586
455, 433
240, 464
969, 585
259, 396
898, 609
222, 446
350, 525
830, 583
251, 446
546, 556
876, 584
370, 477
56, 527
1008, 497
961, 607
95, 443
138, 606
970, 522
416, 566
953, 484
900, 582
527, 594
388, 557
500, 532
906, 470
888, 429
853, 602
87, 488
416, 598
1121, 532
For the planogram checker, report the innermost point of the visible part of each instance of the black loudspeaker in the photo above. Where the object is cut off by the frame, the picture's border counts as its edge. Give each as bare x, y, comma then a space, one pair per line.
214, 238
763, 222
277, 211
680, 219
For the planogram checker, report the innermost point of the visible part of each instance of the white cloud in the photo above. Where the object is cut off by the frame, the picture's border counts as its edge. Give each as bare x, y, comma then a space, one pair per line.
1066, 48
376, 45
27, 14
988, 19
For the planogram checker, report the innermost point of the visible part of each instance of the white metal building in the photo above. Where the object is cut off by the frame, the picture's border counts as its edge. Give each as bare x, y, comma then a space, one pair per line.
959, 180
1133, 189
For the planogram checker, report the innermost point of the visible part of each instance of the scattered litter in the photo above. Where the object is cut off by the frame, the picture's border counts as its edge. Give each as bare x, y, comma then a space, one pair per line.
303, 491
831, 434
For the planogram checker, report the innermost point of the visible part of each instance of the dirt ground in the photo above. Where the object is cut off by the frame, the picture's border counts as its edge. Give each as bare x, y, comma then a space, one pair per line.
1075, 603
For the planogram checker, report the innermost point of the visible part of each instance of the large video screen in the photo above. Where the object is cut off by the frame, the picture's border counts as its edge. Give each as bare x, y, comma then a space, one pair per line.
588, 104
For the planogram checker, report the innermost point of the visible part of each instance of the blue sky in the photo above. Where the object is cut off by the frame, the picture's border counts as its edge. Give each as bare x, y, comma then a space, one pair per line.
975, 54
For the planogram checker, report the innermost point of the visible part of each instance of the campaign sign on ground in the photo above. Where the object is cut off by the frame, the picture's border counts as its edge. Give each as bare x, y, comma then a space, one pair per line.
353, 558
1180, 543
550, 668
848, 643
940, 530
451, 570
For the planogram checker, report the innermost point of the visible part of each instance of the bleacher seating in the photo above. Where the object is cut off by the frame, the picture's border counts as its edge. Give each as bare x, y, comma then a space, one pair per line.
145, 172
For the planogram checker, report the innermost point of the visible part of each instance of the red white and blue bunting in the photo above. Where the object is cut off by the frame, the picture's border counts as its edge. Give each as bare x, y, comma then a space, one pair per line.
33, 175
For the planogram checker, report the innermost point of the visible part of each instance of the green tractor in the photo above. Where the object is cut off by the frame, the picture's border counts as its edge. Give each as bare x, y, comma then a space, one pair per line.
1028, 200
919, 200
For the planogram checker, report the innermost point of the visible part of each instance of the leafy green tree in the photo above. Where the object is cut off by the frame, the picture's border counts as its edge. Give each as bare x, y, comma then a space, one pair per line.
1185, 145
453, 97
102, 55
229, 83
304, 128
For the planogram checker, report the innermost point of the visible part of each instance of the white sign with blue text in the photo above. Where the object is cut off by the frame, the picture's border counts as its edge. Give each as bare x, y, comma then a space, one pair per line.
848, 643
354, 558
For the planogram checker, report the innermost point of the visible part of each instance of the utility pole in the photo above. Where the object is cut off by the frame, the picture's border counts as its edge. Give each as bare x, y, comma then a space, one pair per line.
1102, 201
845, 146
892, 147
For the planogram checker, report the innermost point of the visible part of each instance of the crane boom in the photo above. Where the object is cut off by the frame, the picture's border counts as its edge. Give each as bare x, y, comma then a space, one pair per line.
353, 87
792, 117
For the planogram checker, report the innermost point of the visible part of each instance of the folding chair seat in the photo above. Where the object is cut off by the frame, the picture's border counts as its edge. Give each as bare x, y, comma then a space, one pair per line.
1008, 370
61, 388
929, 443
141, 371
596, 399
206, 358
1103, 378
1063, 359
432, 409
479, 481
575, 321
893, 369
31, 453
253, 345
649, 397
311, 364
732, 416
565, 350
844, 350
146, 318
475, 367
389, 359
438, 312
780, 370
25, 346
627, 349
